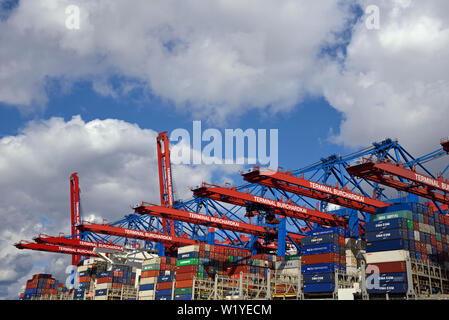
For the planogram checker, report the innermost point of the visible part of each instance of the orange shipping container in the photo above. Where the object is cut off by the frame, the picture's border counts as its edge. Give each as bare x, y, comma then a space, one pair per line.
184, 284
184, 276
164, 285
149, 274
321, 258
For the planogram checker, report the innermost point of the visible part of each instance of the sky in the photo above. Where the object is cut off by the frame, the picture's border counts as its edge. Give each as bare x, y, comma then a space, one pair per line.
92, 99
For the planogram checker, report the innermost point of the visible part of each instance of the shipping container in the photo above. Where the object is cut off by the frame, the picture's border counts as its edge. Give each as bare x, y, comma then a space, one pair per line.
319, 249
387, 256
387, 245
398, 223
318, 287
319, 278
390, 234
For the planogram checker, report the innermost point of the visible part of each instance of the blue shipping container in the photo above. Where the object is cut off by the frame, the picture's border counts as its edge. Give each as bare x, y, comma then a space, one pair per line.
397, 223
392, 277
183, 297
390, 288
321, 239
162, 297
319, 287
188, 255
165, 278
389, 234
322, 268
319, 278
164, 292
334, 230
387, 245
144, 287
319, 249
101, 292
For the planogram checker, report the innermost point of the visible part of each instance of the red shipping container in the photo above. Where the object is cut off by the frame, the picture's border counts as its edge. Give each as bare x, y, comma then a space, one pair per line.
390, 267
424, 257
149, 274
415, 225
184, 284
321, 258
164, 285
116, 286
84, 279
184, 276
192, 269
426, 219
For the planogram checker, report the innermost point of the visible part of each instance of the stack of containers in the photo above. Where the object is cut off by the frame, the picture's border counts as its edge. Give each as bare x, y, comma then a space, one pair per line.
40, 285
103, 285
323, 253
151, 270
164, 282
203, 261
402, 231
187, 268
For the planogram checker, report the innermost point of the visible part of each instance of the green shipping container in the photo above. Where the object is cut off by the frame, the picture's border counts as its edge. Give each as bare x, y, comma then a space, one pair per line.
183, 290
410, 224
407, 214
293, 257
231, 258
201, 268
187, 262
200, 275
150, 267
438, 236
421, 218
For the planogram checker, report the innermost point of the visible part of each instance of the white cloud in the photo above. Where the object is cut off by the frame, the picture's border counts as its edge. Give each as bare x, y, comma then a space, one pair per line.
217, 58
117, 166
394, 82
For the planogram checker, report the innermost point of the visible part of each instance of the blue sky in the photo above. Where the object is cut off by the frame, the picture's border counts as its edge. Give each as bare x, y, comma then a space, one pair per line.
303, 132
313, 62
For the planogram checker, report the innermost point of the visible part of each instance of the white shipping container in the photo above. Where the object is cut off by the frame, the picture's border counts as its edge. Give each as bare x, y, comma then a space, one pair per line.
82, 268
147, 293
103, 286
387, 256
146, 298
346, 294
429, 249
148, 280
105, 297
288, 272
191, 248
291, 264
416, 235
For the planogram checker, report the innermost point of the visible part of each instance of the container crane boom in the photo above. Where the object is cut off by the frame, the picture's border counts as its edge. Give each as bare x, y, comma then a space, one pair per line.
298, 185
291, 210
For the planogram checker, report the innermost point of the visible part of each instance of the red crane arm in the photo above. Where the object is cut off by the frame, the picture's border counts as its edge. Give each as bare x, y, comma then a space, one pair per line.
420, 185
56, 249
76, 243
314, 190
201, 219
136, 234
286, 209
165, 178
74, 209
